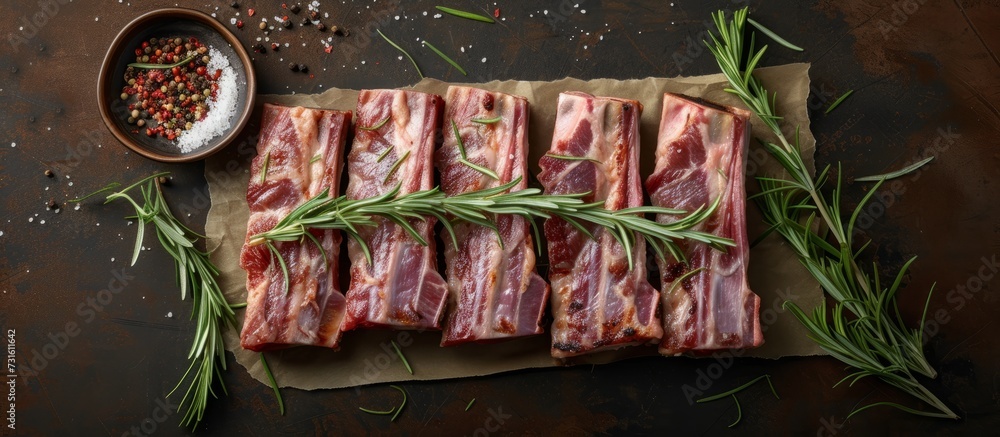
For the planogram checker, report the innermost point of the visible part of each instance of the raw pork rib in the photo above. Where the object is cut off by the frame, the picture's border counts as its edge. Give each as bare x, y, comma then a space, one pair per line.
495, 292
700, 156
597, 302
311, 310
401, 288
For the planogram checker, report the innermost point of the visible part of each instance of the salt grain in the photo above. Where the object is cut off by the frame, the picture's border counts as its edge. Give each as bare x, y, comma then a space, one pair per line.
222, 107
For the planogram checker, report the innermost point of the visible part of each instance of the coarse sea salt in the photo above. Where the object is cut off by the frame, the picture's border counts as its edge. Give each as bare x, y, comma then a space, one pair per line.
221, 106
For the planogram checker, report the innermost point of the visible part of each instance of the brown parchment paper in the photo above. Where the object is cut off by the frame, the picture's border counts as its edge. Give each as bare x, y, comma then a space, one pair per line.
366, 356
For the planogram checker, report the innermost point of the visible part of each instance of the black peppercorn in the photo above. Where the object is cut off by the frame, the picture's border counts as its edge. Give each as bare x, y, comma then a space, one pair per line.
234, 4
52, 204
293, 66
321, 27
295, 9
303, 68
287, 24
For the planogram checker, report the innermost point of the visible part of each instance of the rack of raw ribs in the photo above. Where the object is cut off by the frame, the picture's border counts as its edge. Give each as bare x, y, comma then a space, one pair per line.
591, 300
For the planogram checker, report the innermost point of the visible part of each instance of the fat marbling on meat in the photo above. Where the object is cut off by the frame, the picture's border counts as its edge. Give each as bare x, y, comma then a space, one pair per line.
495, 292
401, 288
597, 301
311, 310
700, 156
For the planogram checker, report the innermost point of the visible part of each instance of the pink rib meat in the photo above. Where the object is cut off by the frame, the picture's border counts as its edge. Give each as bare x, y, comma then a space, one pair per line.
311, 310
700, 156
401, 288
597, 302
495, 293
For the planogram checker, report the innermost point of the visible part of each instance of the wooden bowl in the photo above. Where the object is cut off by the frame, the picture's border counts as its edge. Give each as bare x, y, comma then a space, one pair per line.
162, 23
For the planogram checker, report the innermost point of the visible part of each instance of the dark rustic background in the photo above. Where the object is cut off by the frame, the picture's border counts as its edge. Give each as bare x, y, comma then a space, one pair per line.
925, 79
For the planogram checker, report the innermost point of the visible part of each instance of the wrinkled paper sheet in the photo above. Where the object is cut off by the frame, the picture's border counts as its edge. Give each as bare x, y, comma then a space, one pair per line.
366, 356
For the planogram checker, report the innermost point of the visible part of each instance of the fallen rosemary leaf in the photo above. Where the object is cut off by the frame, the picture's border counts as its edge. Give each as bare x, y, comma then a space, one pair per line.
401, 357
382, 413
774, 36
274, 384
467, 15
739, 389
895, 174
381, 156
463, 158
377, 125
739, 412
401, 50
487, 120
837, 102
395, 166
572, 158
470, 404
445, 57
236, 306
399, 409
315, 158
263, 170
683, 278
161, 66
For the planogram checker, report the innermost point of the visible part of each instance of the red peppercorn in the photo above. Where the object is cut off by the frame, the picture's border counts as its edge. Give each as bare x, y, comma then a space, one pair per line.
175, 70
138, 52
200, 71
239, 24
251, 11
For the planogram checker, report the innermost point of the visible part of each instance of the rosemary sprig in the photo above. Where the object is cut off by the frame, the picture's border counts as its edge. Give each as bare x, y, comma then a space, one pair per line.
837, 102
445, 57
194, 272
401, 50
466, 15
146, 66
864, 329
480, 208
487, 120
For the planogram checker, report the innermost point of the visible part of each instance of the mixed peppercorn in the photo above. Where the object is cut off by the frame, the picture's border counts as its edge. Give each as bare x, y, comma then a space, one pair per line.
168, 100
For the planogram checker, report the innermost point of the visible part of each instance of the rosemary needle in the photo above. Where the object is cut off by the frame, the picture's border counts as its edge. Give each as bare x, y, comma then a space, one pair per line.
315, 158
401, 357
395, 166
445, 57
263, 170
739, 389
895, 174
381, 156
161, 66
470, 404
837, 102
773, 35
487, 120
377, 125
401, 50
399, 409
739, 412
463, 158
572, 158
274, 384
466, 15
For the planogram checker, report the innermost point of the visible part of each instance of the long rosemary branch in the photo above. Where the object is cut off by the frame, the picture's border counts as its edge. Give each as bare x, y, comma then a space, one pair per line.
864, 329
480, 207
